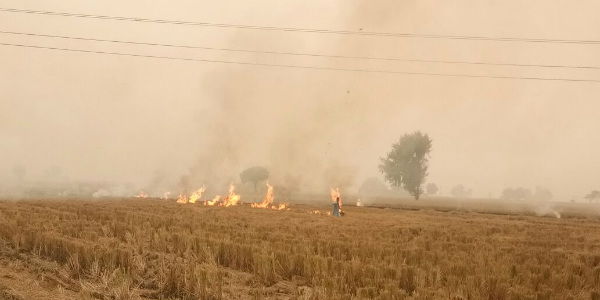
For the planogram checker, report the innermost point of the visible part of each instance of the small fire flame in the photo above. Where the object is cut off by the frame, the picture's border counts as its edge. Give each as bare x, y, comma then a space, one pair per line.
268, 198
213, 201
197, 195
141, 194
182, 199
268, 201
335, 193
166, 195
281, 206
232, 199
335, 196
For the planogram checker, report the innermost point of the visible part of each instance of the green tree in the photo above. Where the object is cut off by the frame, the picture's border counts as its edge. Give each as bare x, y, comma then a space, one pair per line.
254, 175
518, 193
406, 165
373, 187
542, 194
593, 196
431, 189
460, 191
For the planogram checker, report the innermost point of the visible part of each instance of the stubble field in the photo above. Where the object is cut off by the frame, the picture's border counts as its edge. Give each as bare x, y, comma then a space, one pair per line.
156, 249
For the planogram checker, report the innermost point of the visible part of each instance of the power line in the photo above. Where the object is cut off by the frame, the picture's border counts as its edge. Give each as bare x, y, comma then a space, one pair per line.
305, 30
300, 67
300, 54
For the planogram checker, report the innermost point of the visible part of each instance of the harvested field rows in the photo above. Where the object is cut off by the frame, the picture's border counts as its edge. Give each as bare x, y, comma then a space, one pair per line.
155, 249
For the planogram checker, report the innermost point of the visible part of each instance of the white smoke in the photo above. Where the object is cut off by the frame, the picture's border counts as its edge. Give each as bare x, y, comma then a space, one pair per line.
101, 193
547, 209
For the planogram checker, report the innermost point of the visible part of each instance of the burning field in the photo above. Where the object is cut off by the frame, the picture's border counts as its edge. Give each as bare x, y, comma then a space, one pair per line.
232, 199
221, 248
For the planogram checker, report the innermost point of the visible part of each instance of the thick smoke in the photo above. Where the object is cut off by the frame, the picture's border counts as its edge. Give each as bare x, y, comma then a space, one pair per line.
117, 125
300, 137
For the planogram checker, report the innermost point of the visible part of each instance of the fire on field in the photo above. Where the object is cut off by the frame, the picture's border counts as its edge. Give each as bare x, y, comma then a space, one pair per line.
268, 201
232, 199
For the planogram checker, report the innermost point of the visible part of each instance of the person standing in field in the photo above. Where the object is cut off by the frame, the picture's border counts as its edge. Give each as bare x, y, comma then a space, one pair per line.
337, 207
337, 202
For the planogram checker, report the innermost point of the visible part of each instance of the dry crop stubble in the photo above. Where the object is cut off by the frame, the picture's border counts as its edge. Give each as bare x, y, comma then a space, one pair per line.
156, 249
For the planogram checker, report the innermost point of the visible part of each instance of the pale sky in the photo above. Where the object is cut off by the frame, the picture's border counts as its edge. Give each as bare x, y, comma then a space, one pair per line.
126, 119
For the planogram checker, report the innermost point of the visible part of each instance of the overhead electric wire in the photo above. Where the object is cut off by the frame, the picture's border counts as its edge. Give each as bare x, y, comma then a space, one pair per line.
297, 53
300, 67
305, 30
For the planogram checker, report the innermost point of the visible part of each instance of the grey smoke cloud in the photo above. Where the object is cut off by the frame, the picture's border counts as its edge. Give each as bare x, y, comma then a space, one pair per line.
175, 125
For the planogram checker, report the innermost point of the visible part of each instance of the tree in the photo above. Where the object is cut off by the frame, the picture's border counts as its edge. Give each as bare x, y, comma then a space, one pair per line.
593, 196
522, 193
373, 187
460, 191
254, 175
431, 189
542, 194
518, 193
406, 165
508, 194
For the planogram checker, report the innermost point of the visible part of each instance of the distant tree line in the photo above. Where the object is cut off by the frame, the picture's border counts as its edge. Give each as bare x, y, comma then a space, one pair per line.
593, 196
520, 194
460, 191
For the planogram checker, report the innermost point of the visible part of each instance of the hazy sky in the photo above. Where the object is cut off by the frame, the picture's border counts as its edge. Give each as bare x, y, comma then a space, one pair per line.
125, 119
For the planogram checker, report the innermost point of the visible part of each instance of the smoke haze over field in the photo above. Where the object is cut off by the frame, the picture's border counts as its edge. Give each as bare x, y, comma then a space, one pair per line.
177, 124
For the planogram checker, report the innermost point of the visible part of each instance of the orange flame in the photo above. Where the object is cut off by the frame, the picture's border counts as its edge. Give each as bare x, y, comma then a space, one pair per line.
213, 201
232, 199
182, 199
335, 195
281, 206
197, 195
141, 194
268, 201
268, 198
